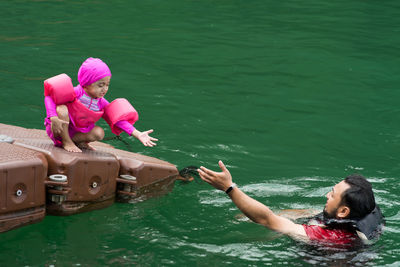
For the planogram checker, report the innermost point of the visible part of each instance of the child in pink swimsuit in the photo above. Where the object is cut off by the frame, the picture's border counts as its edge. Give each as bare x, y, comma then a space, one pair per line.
94, 78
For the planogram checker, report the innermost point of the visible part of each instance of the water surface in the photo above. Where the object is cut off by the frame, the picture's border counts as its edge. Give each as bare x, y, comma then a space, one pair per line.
292, 96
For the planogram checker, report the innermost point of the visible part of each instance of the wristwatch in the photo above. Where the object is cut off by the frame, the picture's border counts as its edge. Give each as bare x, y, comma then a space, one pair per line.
230, 188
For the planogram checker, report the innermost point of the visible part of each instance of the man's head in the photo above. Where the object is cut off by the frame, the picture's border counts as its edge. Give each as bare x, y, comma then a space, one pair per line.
352, 198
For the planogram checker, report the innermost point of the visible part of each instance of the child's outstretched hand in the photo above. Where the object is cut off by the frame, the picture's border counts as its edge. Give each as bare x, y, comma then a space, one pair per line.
145, 138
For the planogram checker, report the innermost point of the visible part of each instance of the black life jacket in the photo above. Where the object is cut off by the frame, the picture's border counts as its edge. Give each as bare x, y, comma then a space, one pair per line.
371, 226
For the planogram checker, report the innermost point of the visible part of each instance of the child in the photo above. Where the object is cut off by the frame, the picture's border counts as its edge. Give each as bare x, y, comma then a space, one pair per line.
94, 78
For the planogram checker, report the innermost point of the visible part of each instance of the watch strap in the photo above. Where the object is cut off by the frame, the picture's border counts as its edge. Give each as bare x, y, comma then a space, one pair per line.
230, 188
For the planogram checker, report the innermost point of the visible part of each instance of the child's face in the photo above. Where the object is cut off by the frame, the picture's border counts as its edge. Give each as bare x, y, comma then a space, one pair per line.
99, 88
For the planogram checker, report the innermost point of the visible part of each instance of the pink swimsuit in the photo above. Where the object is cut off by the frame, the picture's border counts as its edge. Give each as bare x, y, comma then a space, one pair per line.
95, 104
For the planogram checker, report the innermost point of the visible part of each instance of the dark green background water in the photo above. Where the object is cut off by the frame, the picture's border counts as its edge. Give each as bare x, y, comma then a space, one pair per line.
292, 96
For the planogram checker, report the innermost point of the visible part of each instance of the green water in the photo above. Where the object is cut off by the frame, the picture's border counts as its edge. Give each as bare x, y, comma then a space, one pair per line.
292, 96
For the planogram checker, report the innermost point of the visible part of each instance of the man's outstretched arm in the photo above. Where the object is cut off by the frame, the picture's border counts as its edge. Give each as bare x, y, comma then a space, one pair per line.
253, 209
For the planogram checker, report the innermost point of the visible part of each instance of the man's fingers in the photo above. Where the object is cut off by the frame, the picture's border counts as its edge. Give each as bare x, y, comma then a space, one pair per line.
204, 176
207, 171
222, 166
202, 173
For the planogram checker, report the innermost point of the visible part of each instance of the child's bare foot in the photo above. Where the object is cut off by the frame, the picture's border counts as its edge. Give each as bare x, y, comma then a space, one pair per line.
85, 145
71, 147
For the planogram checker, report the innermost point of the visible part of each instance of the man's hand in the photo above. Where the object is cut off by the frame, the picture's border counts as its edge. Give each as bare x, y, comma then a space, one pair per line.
256, 211
219, 180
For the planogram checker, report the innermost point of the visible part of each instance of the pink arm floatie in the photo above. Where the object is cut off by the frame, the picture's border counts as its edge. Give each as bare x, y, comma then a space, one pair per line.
119, 110
60, 89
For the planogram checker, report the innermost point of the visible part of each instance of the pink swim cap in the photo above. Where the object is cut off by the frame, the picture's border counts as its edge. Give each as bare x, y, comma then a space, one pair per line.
92, 70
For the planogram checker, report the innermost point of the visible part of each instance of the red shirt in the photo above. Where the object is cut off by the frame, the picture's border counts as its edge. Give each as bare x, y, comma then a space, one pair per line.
328, 235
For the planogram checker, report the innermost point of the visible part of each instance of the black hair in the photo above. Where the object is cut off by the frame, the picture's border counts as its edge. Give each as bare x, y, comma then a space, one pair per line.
359, 197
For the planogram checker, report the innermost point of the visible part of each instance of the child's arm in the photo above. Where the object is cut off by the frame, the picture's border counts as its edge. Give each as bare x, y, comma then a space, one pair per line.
127, 127
143, 137
51, 111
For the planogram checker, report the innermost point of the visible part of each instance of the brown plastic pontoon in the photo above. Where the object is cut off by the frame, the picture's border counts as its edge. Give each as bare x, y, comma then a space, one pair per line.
36, 176
22, 190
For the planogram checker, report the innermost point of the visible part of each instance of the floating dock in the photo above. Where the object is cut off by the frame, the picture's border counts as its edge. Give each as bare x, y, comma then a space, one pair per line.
37, 178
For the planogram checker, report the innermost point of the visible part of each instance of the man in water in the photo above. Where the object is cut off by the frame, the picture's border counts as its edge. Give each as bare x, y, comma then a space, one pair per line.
350, 213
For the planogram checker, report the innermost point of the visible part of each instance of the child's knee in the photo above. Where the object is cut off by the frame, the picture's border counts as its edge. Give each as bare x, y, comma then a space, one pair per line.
62, 112
98, 133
